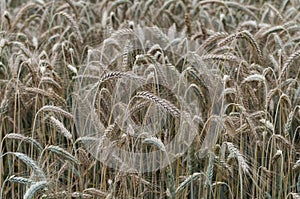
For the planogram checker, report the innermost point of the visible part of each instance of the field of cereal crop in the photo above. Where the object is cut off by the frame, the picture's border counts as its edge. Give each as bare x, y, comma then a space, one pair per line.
150, 99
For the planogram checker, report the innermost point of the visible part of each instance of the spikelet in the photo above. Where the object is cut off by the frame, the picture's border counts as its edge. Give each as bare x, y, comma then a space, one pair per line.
191, 158
51, 81
63, 153
165, 104
122, 32
242, 8
171, 182
255, 77
228, 57
29, 162
74, 25
57, 109
83, 157
51, 95
112, 75
264, 32
21, 13
60, 194
81, 195
236, 153
34, 188
289, 62
283, 140
187, 181
23, 138
20, 180
210, 170
156, 142
138, 107
61, 127
213, 38
245, 35
95, 192
288, 124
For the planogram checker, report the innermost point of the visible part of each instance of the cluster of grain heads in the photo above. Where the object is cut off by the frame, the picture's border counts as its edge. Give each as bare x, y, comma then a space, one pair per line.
38, 175
49, 47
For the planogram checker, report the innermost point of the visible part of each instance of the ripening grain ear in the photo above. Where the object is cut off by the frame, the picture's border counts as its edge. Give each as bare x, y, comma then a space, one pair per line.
291, 59
23, 138
74, 25
35, 187
31, 163
63, 153
21, 14
57, 110
248, 37
61, 127
163, 103
20, 180
241, 160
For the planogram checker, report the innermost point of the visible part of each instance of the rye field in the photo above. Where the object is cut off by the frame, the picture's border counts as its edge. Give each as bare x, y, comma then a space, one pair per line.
179, 99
